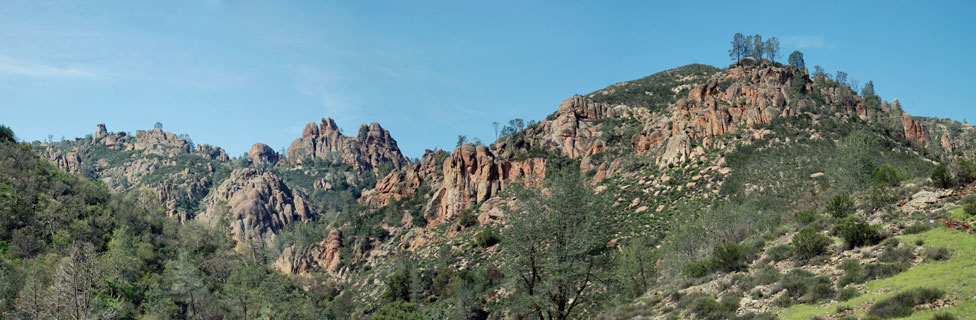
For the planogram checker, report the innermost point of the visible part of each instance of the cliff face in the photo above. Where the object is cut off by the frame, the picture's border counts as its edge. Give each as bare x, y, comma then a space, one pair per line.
472, 175
368, 151
257, 205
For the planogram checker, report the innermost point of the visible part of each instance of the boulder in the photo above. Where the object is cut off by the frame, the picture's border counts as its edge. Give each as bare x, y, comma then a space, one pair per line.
262, 154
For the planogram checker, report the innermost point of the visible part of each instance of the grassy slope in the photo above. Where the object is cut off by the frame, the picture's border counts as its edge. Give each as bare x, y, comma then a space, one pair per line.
957, 276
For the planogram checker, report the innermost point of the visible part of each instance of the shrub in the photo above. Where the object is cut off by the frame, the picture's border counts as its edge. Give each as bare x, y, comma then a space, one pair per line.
897, 255
467, 218
937, 254
942, 178
486, 238
967, 171
917, 228
779, 252
857, 233
840, 206
853, 273
731, 257
887, 176
696, 269
809, 243
969, 205
805, 217
901, 304
943, 316
883, 270
707, 308
797, 282
847, 294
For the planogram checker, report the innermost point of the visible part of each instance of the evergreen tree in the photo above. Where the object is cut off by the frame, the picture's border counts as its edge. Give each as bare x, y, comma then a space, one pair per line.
772, 48
796, 60
555, 247
738, 47
758, 47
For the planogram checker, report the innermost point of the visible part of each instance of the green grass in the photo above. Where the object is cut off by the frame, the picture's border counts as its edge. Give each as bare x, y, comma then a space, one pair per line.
957, 276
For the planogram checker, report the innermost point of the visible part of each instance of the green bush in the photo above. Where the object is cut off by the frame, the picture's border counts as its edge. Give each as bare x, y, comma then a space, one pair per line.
809, 243
967, 171
853, 273
857, 233
805, 217
903, 254
937, 254
696, 269
883, 270
847, 294
399, 310
797, 282
486, 238
887, 176
840, 206
779, 252
467, 218
917, 228
731, 257
901, 304
943, 316
969, 205
6, 134
942, 178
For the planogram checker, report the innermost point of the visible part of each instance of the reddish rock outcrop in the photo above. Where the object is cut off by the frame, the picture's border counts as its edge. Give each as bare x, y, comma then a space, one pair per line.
323, 255
262, 154
371, 148
157, 141
914, 132
403, 183
472, 174
257, 205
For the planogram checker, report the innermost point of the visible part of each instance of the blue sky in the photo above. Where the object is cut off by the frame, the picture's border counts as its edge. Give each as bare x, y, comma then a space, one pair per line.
232, 73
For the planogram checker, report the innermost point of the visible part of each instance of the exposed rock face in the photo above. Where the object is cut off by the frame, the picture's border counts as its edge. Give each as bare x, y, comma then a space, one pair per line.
914, 132
258, 205
100, 132
157, 141
403, 183
472, 175
212, 153
103, 137
69, 161
324, 255
572, 132
262, 154
369, 150
946, 142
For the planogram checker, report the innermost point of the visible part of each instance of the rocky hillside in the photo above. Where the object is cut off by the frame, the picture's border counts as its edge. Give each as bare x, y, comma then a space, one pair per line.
683, 163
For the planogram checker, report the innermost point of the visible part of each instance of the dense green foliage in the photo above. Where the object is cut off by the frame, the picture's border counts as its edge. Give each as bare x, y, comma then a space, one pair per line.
901, 304
809, 243
67, 240
555, 249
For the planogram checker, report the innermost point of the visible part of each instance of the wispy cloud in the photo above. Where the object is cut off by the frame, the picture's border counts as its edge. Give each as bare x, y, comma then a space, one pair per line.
10, 66
805, 42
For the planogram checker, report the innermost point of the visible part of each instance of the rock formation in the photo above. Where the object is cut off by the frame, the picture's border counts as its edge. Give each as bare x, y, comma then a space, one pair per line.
914, 132
324, 255
157, 141
403, 183
262, 154
256, 204
211, 152
369, 150
472, 174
